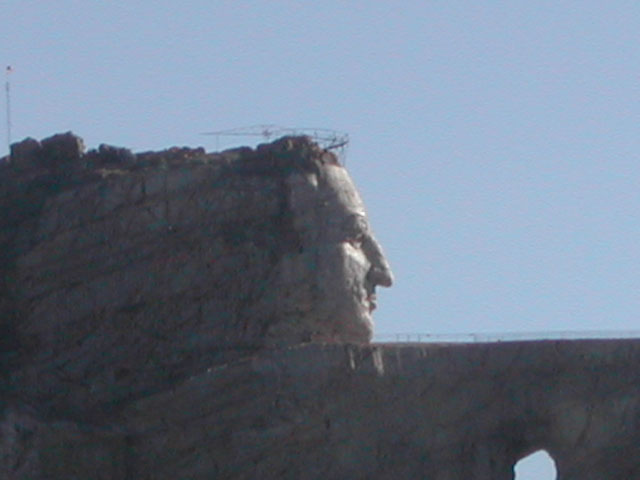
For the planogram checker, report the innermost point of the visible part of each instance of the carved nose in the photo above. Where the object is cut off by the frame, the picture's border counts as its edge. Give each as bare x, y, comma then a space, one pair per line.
380, 272
381, 275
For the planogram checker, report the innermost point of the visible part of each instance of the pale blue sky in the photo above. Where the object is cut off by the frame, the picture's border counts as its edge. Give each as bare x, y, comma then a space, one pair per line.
496, 144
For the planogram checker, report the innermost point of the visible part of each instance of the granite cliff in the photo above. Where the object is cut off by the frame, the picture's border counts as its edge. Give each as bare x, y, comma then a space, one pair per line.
183, 314
125, 273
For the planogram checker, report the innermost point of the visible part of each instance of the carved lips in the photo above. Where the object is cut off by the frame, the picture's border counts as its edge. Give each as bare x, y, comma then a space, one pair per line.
371, 300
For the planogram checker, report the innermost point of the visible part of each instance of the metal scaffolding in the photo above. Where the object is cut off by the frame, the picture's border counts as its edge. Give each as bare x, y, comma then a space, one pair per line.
326, 138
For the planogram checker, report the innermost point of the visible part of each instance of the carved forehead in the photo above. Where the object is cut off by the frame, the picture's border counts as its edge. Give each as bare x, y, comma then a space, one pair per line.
340, 192
325, 204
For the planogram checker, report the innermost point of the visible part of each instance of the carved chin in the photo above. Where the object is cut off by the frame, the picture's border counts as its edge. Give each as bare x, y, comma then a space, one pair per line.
358, 327
351, 320
367, 329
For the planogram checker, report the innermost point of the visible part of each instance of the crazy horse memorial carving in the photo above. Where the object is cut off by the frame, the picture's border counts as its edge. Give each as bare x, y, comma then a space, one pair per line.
191, 315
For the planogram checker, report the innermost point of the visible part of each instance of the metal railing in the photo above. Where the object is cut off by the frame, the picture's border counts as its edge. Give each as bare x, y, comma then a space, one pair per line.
482, 337
326, 139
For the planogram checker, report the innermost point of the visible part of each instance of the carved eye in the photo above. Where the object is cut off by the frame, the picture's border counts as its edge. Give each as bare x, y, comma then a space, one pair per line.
356, 241
356, 230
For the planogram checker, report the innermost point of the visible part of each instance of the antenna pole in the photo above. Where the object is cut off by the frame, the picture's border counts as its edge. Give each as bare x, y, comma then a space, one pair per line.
7, 88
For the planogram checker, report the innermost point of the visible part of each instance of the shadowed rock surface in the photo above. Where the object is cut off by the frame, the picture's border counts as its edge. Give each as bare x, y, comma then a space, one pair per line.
125, 273
183, 314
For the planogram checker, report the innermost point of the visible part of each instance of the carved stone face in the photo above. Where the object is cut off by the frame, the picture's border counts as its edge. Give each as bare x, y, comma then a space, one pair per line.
327, 290
352, 263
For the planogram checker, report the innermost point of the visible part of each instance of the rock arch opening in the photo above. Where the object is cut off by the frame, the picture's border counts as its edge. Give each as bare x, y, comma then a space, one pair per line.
537, 466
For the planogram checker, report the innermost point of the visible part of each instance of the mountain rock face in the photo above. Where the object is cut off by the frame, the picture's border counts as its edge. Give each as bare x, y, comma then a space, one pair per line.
193, 315
126, 273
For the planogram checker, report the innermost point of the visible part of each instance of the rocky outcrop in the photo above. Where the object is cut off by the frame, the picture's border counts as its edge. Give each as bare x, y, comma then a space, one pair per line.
382, 411
183, 314
124, 273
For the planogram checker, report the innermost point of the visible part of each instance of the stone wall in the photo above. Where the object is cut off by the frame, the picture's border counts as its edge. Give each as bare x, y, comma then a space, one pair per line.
436, 412
444, 412
183, 314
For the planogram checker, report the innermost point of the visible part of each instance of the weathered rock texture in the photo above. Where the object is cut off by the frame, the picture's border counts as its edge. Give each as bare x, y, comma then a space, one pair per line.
385, 412
188, 315
123, 273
